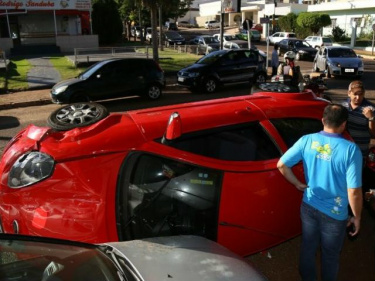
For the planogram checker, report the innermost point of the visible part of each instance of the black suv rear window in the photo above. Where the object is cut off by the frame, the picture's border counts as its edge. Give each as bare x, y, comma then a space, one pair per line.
291, 129
244, 142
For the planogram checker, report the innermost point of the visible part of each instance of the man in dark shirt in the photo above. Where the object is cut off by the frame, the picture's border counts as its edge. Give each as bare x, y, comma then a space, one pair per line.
361, 122
361, 126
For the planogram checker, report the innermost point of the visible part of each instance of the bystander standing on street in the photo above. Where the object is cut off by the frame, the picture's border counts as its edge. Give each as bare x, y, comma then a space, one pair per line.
361, 126
332, 167
275, 60
361, 121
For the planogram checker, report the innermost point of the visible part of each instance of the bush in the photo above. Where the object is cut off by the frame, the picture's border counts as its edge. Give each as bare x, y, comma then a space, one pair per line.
338, 34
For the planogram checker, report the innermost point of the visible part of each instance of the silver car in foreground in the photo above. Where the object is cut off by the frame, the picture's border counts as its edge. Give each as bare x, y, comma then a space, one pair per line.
338, 61
164, 258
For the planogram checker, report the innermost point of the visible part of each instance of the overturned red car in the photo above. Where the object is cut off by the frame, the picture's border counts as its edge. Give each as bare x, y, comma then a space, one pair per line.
203, 168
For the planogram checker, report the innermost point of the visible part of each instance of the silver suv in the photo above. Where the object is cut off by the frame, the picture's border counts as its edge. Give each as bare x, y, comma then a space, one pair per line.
212, 24
318, 41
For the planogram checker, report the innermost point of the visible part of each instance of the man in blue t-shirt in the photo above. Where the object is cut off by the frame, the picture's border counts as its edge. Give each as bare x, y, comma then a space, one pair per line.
332, 167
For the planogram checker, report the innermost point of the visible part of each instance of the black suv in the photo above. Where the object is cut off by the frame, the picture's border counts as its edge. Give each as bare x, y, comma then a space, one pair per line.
173, 38
302, 49
221, 67
110, 79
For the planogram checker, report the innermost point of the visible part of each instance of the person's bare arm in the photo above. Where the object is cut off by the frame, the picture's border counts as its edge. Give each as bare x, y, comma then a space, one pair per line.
368, 113
355, 202
289, 175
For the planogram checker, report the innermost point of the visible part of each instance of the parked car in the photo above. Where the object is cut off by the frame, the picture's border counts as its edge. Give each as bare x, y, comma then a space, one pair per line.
338, 61
301, 48
212, 24
255, 35
135, 31
235, 44
222, 67
184, 23
205, 43
173, 38
230, 41
37, 258
278, 36
319, 41
171, 26
202, 168
112, 78
258, 27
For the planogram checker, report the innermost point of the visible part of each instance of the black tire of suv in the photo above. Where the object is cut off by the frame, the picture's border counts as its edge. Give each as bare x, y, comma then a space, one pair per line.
66, 118
210, 85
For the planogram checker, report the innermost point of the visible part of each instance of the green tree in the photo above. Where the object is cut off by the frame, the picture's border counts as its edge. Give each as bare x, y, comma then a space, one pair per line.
106, 21
176, 9
338, 33
313, 21
288, 22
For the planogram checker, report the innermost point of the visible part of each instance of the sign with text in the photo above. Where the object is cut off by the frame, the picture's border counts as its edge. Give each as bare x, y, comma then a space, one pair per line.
231, 6
45, 4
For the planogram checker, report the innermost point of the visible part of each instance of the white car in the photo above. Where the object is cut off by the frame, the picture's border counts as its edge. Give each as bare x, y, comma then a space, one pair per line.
212, 24
278, 36
318, 41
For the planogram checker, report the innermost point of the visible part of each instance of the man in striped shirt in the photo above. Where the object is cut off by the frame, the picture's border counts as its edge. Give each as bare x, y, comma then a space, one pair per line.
361, 127
361, 122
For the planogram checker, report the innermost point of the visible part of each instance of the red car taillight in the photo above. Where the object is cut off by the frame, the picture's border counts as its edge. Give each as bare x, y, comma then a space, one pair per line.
370, 161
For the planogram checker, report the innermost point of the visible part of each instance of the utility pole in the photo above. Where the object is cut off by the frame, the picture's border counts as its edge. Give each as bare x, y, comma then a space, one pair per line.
221, 25
160, 30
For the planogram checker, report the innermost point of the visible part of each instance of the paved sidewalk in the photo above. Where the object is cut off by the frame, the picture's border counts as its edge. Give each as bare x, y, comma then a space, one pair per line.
42, 74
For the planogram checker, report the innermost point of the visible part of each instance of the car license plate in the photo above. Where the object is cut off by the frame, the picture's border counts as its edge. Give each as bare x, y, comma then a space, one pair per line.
180, 79
179, 43
349, 70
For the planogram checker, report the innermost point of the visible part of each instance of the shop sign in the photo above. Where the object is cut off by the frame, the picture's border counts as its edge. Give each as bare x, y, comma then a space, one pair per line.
231, 6
45, 4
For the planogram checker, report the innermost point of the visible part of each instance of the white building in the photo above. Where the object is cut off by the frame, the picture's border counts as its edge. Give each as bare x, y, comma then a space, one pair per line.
343, 13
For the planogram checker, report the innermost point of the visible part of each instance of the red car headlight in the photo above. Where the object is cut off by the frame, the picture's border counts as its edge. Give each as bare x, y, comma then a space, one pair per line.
370, 161
30, 168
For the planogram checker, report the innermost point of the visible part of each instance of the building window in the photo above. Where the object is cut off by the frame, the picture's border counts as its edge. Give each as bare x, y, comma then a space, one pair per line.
358, 21
333, 23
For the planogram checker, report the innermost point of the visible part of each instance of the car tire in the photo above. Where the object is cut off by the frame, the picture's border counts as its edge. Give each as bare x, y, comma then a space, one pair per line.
79, 97
154, 92
260, 78
316, 68
210, 85
76, 115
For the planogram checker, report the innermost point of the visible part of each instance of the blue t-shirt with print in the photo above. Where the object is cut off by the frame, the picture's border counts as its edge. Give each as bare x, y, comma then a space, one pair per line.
331, 165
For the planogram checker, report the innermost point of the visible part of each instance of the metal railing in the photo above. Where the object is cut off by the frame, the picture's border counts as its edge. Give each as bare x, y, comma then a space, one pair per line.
87, 55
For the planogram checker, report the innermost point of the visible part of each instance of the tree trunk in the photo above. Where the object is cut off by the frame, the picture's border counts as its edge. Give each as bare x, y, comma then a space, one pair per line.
154, 33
